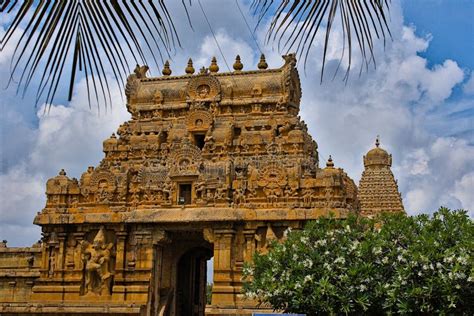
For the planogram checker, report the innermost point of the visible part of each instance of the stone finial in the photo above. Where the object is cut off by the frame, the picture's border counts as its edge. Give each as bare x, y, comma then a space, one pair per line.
214, 67
62, 172
189, 69
3, 244
262, 64
113, 135
238, 66
166, 70
203, 70
377, 141
330, 163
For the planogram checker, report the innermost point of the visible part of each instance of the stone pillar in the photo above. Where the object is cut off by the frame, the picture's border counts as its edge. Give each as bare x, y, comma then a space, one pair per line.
78, 264
160, 239
249, 235
223, 291
61, 255
120, 255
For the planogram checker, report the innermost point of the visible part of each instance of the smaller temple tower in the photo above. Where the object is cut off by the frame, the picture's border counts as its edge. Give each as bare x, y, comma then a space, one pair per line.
378, 189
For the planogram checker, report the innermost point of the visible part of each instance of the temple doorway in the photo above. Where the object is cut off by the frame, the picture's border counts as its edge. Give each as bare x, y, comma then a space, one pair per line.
191, 282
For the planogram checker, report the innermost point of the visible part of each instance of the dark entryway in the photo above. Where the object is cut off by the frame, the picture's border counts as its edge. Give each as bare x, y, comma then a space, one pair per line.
184, 194
191, 282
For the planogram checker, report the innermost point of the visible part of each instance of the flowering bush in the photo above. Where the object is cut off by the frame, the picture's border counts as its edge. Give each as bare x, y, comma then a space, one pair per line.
394, 264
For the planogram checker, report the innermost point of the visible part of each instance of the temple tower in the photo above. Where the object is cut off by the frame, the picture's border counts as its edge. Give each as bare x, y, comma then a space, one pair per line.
211, 164
378, 189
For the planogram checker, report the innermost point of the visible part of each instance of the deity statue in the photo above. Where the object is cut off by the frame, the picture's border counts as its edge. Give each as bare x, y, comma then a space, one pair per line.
96, 257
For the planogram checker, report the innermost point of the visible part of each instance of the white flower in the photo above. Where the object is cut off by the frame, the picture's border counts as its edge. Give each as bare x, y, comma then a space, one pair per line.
439, 265
462, 260
385, 260
308, 278
340, 260
377, 250
354, 245
308, 263
348, 228
304, 240
320, 242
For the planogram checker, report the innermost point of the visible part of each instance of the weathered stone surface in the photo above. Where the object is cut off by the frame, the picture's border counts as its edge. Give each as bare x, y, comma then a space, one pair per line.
378, 189
210, 165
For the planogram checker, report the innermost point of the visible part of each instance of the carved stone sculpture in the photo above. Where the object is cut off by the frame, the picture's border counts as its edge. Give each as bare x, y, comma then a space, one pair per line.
97, 256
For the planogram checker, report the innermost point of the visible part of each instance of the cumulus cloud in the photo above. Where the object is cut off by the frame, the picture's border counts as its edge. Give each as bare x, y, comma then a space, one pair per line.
469, 85
66, 137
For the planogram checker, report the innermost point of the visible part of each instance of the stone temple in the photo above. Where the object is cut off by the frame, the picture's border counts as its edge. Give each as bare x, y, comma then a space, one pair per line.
211, 165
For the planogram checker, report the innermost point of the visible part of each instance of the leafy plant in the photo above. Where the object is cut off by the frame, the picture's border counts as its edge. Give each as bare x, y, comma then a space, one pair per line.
393, 264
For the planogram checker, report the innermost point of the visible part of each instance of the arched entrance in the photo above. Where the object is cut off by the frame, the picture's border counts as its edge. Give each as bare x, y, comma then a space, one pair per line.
191, 282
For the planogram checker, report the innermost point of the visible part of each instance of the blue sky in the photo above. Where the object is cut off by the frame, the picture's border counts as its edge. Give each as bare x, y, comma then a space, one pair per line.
450, 22
420, 100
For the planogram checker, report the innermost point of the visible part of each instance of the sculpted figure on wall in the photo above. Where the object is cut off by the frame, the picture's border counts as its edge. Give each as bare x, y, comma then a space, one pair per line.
97, 256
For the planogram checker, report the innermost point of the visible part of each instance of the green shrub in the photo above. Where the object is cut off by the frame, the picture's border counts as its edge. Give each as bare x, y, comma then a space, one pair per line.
394, 264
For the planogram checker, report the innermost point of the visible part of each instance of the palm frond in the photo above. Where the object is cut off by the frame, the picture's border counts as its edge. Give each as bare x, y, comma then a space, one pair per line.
98, 37
294, 25
90, 36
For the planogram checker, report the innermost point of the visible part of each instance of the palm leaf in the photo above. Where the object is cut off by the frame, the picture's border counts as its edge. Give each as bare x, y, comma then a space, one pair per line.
103, 35
294, 25
99, 36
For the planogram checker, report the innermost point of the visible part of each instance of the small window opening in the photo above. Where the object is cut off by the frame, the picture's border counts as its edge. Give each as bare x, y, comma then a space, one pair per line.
237, 131
278, 129
199, 140
164, 137
184, 194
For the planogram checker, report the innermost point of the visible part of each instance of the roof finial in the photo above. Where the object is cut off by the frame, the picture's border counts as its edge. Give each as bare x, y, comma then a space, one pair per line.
189, 69
377, 141
330, 163
166, 70
238, 66
62, 172
262, 64
214, 67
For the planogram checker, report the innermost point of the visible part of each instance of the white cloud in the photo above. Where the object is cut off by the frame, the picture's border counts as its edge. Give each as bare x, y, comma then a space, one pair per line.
468, 87
464, 192
67, 137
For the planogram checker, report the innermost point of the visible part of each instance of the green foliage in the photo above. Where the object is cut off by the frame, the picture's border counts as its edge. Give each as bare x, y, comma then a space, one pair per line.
394, 264
208, 293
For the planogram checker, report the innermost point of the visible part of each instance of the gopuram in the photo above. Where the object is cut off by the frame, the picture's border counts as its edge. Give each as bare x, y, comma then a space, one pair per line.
211, 165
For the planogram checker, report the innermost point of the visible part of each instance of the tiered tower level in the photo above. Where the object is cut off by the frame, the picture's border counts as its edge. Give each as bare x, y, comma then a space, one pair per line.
378, 189
210, 165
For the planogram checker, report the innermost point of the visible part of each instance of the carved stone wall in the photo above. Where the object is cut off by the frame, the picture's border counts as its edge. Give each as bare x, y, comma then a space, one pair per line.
378, 189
